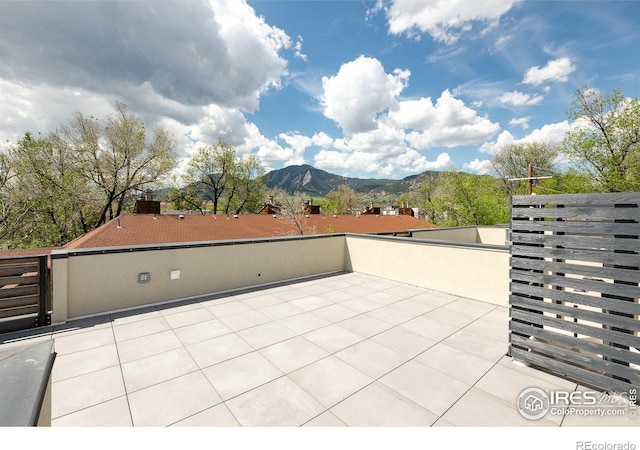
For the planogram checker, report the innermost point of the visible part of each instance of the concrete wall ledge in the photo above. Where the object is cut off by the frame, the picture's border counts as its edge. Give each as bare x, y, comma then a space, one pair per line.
25, 390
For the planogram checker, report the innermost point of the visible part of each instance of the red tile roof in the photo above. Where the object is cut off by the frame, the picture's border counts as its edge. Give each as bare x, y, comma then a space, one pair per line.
135, 229
26, 252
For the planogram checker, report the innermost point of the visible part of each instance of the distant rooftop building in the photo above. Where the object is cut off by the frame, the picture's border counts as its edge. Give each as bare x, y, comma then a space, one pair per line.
136, 229
272, 207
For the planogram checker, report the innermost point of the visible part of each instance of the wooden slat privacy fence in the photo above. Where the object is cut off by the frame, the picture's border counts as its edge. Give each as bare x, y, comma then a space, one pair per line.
574, 287
24, 293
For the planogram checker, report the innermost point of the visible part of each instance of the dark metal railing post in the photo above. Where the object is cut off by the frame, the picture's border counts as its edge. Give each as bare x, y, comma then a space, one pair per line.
41, 320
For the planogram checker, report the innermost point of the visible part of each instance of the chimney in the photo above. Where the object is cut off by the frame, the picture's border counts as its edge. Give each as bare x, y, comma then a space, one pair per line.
148, 195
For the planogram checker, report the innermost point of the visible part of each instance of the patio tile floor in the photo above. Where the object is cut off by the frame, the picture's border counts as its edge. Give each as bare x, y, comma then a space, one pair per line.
348, 349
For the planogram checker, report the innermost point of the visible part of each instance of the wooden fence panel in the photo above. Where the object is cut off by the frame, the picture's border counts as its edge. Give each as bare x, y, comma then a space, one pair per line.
575, 274
25, 300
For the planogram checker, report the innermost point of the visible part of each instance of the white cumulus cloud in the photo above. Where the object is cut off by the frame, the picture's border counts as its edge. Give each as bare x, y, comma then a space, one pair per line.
478, 166
552, 134
444, 20
361, 90
556, 70
446, 123
196, 80
297, 50
521, 121
517, 98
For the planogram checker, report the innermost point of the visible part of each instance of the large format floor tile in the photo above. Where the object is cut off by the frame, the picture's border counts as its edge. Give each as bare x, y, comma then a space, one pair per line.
141, 328
278, 403
144, 346
345, 350
239, 375
174, 400
330, 380
216, 350
372, 358
379, 406
216, 416
460, 365
293, 354
267, 334
151, 370
478, 345
403, 341
479, 409
203, 331
83, 341
431, 389
84, 361
112, 413
189, 317
333, 338
83, 391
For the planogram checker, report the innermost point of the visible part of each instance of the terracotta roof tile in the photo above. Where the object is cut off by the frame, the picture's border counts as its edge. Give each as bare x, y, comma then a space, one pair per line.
135, 229
26, 252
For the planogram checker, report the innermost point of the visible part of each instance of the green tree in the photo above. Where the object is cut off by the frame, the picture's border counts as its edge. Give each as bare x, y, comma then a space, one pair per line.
513, 161
74, 179
217, 175
185, 198
427, 195
605, 143
293, 211
248, 187
12, 211
117, 156
468, 199
569, 182
51, 188
343, 200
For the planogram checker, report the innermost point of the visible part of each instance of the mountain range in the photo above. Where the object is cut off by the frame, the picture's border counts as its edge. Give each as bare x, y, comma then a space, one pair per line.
315, 182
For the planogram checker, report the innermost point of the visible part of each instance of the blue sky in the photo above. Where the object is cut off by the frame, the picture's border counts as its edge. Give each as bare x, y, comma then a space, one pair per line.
359, 88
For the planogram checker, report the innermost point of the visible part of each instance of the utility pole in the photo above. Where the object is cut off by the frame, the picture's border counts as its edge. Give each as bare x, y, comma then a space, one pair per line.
529, 179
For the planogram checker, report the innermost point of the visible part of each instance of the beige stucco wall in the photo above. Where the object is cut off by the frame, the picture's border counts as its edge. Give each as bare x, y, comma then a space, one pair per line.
106, 282
461, 234
86, 284
471, 235
493, 235
468, 271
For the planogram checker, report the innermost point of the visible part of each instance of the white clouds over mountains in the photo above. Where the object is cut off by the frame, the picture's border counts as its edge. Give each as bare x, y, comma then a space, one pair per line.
366, 103
351, 95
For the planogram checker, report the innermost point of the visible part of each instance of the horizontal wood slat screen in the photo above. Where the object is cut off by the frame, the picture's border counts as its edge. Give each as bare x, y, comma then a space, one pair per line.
574, 287
24, 292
